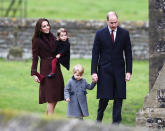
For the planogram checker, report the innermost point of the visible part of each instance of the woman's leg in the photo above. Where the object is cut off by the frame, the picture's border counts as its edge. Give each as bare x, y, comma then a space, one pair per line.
50, 108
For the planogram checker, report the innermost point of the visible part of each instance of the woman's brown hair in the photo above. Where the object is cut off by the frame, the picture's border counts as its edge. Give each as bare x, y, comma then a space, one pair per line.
37, 30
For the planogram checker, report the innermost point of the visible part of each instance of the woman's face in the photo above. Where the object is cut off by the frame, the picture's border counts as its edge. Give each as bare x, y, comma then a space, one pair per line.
45, 28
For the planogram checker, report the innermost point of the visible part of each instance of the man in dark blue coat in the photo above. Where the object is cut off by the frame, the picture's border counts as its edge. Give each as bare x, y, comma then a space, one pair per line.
111, 66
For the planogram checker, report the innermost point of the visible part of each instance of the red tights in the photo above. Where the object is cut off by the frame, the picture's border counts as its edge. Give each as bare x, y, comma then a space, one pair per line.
54, 63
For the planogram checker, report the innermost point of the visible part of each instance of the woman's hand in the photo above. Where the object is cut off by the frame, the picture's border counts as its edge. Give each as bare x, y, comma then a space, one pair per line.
36, 79
68, 99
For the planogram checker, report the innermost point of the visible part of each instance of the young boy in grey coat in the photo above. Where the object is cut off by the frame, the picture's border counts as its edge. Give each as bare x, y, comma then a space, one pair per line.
75, 94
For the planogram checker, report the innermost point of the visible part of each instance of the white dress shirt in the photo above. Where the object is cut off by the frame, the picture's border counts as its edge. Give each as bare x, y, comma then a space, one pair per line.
114, 32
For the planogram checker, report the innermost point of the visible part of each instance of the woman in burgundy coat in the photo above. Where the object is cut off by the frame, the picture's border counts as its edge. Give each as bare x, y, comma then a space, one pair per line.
44, 47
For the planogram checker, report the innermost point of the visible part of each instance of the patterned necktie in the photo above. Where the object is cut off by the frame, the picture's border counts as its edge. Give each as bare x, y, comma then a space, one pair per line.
112, 36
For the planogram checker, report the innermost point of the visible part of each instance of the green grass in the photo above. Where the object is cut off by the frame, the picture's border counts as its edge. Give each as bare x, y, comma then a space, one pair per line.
19, 92
88, 9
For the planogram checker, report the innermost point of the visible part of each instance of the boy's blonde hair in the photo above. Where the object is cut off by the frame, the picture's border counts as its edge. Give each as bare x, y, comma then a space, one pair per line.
78, 69
61, 30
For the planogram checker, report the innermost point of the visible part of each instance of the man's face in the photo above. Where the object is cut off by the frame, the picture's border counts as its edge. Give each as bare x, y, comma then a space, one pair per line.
112, 22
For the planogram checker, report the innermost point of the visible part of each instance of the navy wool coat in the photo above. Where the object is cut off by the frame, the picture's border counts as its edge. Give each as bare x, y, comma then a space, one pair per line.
76, 91
111, 60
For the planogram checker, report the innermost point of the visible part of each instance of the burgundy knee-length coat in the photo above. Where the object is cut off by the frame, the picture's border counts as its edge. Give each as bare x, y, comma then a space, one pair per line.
50, 90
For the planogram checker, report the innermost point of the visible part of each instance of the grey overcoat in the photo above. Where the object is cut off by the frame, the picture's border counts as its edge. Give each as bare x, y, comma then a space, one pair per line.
76, 91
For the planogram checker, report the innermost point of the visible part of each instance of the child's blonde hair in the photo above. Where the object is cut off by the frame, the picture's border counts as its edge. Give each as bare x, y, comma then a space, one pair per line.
78, 69
61, 30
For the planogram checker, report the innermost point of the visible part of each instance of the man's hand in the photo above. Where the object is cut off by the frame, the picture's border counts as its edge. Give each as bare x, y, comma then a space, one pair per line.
94, 77
128, 76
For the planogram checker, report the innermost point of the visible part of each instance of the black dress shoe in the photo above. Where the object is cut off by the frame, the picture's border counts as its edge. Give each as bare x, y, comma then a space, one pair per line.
51, 75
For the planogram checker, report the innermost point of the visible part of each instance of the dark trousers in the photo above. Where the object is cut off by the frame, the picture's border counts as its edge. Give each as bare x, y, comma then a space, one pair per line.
117, 106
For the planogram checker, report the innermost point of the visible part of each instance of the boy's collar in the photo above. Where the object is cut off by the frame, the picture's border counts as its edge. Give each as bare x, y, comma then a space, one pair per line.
74, 78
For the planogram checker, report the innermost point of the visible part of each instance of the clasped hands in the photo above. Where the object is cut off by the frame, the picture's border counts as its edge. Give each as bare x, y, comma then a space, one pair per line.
95, 77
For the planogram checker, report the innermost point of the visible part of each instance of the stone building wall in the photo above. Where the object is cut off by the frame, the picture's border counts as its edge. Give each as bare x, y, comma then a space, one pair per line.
19, 32
10, 121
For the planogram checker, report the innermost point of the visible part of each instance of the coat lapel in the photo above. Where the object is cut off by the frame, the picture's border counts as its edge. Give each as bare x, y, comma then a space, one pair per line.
117, 36
108, 36
48, 43
107, 33
45, 44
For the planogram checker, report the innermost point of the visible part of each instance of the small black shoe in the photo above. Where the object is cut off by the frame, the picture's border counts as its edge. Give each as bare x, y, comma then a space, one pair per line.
51, 75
